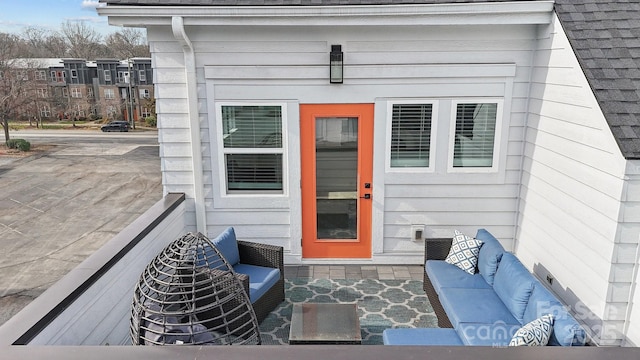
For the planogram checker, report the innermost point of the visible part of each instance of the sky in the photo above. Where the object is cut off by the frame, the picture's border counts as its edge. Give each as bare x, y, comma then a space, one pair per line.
15, 15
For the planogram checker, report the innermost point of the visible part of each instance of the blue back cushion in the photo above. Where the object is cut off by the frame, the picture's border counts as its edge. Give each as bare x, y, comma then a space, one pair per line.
227, 244
490, 255
566, 330
513, 283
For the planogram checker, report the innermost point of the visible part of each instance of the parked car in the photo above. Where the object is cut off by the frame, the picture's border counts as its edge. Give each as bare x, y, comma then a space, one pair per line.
116, 126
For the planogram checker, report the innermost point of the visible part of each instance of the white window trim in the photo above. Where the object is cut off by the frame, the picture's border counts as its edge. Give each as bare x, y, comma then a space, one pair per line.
107, 75
432, 145
250, 199
495, 165
111, 92
142, 75
45, 111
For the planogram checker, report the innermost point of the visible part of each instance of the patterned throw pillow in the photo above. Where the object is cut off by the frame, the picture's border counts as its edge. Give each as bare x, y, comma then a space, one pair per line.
464, 252
535, 333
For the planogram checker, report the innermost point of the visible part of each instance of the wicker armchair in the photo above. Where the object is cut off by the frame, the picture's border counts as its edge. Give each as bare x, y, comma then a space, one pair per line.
267, 256
436, 249
260, 268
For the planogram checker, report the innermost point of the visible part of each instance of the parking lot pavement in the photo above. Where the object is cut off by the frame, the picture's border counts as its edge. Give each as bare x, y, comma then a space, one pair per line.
58, 207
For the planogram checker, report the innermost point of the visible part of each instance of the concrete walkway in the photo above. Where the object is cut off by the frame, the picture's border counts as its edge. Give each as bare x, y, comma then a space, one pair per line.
57, 208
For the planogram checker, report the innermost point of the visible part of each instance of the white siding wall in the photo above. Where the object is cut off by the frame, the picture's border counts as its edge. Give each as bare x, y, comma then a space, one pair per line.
572, 186
289, 65
173, 122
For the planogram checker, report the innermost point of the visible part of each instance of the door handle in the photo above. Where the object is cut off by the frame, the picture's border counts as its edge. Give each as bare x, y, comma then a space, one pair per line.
366, 196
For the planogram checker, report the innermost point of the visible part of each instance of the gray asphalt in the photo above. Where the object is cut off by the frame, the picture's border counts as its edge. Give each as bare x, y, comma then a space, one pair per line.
58, 207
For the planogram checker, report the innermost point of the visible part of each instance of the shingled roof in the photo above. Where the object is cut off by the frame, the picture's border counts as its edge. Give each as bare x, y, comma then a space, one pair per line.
605, 35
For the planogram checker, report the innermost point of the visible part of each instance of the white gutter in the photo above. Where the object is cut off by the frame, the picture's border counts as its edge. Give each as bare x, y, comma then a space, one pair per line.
177, 26
516, 12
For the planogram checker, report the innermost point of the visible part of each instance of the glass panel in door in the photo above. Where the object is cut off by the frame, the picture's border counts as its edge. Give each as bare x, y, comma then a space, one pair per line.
337, 177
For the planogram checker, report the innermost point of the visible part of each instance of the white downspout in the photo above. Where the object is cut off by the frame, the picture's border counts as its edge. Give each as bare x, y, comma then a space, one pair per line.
177, 26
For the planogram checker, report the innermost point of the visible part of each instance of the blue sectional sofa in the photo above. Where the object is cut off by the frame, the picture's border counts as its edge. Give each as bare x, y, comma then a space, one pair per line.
488, 307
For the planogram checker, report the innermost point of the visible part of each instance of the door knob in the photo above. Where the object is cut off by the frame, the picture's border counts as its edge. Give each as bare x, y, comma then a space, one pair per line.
366, 196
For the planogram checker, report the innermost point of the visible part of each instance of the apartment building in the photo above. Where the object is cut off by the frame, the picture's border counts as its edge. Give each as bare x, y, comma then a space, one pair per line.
80, 89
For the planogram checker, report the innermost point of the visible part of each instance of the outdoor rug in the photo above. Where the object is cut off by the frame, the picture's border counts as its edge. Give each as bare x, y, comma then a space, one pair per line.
382, 304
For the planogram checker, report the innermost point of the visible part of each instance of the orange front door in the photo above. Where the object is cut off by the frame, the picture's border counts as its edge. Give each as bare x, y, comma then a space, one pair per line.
337, 169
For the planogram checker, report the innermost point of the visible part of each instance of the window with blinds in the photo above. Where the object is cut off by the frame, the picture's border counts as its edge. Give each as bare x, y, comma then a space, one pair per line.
411, 135
475, 135
252, 143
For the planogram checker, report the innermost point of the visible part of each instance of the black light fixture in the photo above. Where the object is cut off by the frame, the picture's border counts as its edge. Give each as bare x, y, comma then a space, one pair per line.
335, 64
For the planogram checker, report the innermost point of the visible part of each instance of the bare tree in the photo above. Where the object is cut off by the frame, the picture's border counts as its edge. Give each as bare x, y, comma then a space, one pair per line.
43, 43
16, 81
127, 43
83, 40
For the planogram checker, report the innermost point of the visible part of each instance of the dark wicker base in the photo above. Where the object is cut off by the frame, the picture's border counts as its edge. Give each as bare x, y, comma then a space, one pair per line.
436, 249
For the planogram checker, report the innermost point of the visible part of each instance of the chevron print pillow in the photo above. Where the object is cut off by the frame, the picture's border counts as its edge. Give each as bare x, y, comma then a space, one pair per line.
464, 252
535, 333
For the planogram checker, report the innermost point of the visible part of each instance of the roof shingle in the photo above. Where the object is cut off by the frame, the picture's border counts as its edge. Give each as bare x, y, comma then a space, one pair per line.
604, 35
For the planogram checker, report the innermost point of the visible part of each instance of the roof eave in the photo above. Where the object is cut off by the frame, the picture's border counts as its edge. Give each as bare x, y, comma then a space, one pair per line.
520, 12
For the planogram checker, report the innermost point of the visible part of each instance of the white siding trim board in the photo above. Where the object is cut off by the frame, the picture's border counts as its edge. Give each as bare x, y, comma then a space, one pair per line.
366, 72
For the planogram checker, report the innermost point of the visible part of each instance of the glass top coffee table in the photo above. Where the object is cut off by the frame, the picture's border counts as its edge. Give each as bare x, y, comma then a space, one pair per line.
324, 323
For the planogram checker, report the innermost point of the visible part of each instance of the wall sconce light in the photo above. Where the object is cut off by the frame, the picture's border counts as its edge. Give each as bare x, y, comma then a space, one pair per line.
335, 64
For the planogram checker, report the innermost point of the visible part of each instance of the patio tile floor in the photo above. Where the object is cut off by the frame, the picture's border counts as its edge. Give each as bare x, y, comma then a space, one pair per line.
355, 272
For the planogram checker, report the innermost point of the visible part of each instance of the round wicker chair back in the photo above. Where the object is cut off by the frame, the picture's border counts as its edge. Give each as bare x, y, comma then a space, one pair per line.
189, 294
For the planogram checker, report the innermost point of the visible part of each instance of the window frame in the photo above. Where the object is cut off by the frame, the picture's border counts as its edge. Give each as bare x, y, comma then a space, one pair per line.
142, 75
22, 75
107, 75
432, 145
497, 140
223, 152
45, 111
111, 92
41, 75
76, 93
74, 73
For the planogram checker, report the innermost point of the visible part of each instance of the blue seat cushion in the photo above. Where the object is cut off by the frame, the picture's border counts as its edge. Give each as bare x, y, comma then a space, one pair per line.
445, 275
493, 334
227, 244
421, 336
490, 255
261, 279
474, 306
513, 283
566, 330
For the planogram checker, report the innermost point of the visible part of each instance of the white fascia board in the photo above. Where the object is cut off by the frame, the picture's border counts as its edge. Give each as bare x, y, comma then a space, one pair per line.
521, 12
